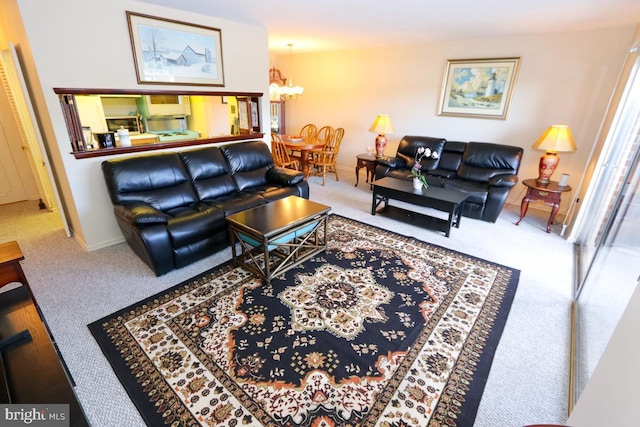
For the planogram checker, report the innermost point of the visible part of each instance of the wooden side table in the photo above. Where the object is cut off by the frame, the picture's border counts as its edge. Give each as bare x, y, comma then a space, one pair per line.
10, 268
367, 161
550, 194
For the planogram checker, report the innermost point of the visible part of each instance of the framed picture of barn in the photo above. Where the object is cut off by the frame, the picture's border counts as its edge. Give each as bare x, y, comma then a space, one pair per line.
173, 52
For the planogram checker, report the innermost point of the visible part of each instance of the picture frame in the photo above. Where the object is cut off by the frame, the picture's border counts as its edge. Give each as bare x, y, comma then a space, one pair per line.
480, 88
174, 52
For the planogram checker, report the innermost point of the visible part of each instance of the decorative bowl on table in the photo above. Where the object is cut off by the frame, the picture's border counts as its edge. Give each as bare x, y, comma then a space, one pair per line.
292, 138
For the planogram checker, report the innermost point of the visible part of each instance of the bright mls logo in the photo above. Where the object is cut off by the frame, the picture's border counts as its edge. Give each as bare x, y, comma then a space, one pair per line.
34, 415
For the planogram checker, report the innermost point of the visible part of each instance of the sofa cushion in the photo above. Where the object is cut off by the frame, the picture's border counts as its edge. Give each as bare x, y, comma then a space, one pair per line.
209, 172
237, 202
248, 163
408, 147
482, 161
160, 180
451, 157
284, 176
189, 225
477, 191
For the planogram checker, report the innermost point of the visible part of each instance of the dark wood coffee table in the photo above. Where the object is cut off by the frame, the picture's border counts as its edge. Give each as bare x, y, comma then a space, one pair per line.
442, 199
286, 233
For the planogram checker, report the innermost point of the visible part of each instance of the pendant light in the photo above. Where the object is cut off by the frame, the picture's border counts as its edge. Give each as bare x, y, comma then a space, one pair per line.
290, 91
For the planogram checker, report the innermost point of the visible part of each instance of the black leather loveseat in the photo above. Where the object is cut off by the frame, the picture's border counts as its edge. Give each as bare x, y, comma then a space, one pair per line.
171, 207
485, 171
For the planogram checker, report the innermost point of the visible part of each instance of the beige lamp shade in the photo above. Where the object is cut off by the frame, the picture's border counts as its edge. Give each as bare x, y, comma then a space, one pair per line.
556, 138
382, 125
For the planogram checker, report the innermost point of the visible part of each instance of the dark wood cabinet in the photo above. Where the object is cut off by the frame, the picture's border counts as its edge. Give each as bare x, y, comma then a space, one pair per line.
32, 370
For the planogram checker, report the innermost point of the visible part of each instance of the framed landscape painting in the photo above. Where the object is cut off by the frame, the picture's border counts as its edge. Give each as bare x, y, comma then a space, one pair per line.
174, 52
478, 87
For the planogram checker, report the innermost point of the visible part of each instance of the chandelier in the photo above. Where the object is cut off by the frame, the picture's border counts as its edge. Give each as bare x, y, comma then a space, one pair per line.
290, 91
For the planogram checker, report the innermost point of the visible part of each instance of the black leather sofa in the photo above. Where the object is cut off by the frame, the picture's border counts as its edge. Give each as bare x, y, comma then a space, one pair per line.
485, 171
171, 207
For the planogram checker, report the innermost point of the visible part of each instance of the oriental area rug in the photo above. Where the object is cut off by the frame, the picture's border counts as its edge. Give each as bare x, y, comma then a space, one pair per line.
379, 330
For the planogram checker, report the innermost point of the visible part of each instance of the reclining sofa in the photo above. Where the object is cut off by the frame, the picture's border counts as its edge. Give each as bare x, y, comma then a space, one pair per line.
485, 171
171, 207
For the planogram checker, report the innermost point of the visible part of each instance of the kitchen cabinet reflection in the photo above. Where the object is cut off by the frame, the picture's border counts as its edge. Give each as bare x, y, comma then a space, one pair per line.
152, 120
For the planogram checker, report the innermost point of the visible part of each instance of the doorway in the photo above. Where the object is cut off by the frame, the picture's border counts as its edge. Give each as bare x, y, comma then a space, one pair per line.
12, 188
27, 137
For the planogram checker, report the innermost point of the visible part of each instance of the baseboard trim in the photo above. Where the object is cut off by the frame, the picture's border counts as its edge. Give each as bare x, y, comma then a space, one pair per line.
100, 245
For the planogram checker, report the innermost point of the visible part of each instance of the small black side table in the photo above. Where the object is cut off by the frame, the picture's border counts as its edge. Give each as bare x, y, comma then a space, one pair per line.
550, 194
367, 161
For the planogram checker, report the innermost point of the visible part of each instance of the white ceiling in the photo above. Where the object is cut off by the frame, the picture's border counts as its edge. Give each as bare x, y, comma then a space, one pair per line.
316, 25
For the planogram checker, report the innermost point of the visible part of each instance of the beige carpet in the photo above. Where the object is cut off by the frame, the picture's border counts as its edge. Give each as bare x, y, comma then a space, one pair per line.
528, 382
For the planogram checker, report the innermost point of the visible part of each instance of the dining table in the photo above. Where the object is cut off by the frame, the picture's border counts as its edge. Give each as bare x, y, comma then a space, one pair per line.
305, 146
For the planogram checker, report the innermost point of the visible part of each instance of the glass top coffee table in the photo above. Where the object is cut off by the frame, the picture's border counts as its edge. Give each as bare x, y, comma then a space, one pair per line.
442, 199
278, 236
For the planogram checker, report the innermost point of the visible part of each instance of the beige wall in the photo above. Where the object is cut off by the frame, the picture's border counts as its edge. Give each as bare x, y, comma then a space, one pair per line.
563, 78
85, 44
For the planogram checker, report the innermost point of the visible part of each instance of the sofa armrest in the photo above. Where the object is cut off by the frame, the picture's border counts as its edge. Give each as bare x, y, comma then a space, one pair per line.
392, 162
138, 214
284, 176
503, 180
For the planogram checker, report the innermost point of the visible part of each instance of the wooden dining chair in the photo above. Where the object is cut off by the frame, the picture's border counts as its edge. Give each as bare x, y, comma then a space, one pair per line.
324, 161
324, 134
281, 154
309, 131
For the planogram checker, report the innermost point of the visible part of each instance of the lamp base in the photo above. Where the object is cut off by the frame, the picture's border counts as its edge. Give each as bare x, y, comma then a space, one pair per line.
548, 164
381, 144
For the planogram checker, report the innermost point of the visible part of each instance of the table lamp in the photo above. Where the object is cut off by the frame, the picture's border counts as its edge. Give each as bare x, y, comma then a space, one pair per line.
382, 125
556, 138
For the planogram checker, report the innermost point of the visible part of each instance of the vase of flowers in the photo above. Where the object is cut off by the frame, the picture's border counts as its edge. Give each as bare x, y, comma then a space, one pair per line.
420, 180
